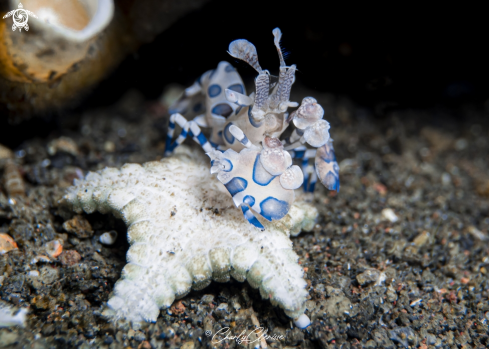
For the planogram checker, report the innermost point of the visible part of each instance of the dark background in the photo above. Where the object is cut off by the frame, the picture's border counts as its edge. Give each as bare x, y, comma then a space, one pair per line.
402, 56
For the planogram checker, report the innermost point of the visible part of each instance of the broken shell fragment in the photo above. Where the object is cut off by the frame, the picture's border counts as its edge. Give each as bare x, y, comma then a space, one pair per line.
54, 248
317, 135
61, 37
7, 244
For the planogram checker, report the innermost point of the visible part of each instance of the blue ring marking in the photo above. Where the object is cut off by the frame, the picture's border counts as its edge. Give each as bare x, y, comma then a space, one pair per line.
273, 209
227, 134
222, 109
245, 140
252, 121
201, 138
260, 175
230, 164
212, 73
237, 88
214, 90
171, 126
238, 110
236, 185
249, 200
229, 68
250, 217
299, 132
214, 145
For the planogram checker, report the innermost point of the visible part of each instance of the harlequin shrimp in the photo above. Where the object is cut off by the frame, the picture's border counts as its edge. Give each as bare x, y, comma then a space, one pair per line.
246, 153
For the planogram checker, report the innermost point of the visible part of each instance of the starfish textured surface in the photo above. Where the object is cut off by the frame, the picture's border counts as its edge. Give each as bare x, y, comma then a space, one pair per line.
185, 231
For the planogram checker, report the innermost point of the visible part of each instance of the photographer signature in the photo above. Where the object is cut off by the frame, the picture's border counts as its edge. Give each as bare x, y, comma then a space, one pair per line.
225, 333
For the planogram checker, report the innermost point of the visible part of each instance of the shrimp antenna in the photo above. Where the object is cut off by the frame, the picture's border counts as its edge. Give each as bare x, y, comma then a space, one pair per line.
277, 33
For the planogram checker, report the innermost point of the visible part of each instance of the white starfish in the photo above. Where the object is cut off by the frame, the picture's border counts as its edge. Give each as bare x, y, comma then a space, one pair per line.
185, 231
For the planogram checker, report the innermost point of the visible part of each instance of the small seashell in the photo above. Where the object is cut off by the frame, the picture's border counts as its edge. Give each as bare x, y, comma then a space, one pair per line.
7, 244
13, 181
54, 248
108, 238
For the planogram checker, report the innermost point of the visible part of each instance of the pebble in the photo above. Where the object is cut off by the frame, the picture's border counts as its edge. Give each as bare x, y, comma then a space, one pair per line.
302, 321
109, 147
188, 345
7, 338
5, 153
222, 311
371, 275
69, 258
40, 258
477, 233
207, 298
108, 238
421, 239
402, 335
388, 214
49, 274
446, 179
79, 226
10, 316
62, 144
